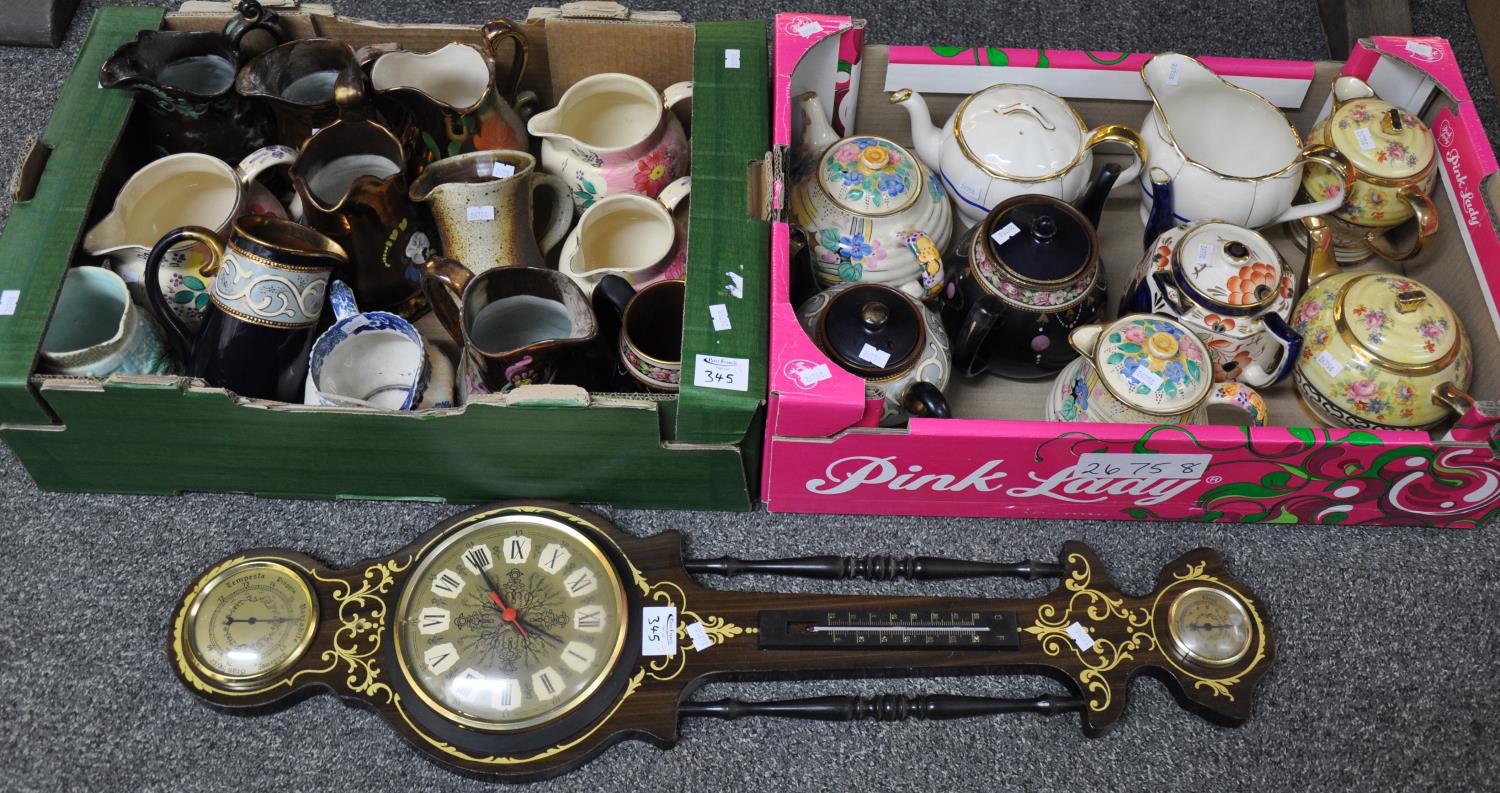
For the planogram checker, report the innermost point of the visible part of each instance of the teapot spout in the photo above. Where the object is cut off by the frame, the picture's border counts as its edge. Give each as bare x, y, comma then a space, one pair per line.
1091, 203
926, 136
817, 134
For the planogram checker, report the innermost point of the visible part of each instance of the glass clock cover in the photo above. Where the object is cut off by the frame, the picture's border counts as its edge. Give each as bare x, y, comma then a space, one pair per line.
1210, 626
251, 621
510, 623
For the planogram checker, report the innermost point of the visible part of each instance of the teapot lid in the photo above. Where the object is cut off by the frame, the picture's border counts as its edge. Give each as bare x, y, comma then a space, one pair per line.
1381, 139
872, 330
1019, 132
1401, 323
870, 176
1153, 364
1227, 266
1039, 240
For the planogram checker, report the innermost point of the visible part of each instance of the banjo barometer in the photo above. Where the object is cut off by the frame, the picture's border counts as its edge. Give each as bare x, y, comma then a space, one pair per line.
521, 639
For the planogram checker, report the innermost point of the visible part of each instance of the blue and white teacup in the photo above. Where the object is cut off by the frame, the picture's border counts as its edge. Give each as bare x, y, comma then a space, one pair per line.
372, 359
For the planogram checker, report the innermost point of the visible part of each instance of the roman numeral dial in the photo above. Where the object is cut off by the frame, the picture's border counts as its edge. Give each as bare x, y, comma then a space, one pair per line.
510, 623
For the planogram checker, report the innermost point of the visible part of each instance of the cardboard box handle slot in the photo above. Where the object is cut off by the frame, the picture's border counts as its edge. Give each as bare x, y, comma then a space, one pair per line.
28, 174
599, 9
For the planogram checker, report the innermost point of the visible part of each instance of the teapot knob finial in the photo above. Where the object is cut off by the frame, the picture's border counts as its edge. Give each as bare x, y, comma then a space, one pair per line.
1391, 124
1410, 301
1237, 250
874, 315
1044, 228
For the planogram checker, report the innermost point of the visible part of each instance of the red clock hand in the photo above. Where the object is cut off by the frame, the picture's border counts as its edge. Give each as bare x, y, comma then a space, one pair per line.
506, 612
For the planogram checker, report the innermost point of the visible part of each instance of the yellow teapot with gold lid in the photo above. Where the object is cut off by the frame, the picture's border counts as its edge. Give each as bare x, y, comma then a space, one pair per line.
1392, 156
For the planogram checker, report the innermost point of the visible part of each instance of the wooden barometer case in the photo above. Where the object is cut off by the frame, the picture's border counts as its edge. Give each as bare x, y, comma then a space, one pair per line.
518, 640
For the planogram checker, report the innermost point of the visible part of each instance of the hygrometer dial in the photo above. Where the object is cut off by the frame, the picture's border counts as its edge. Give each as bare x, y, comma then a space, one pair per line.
1210, 626
249, 622
511, 622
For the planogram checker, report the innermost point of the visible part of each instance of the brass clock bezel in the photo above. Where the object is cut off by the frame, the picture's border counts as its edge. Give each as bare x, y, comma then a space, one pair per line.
241, 683
604, 670
1235, 604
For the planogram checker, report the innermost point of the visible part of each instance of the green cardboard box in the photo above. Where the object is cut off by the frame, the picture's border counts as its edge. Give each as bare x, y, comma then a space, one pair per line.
696, 450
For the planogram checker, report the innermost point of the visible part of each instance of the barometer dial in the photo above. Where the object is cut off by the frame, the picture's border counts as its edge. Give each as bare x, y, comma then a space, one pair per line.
249, 622
510, 623
1210, 626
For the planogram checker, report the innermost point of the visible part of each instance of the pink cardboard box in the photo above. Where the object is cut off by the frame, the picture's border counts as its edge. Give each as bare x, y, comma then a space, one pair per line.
824, 452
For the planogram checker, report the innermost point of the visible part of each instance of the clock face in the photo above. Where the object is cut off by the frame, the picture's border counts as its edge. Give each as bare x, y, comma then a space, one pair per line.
249, 622
1210, 626
510, 622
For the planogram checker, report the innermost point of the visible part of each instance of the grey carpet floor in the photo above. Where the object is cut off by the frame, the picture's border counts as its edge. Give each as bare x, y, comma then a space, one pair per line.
1387, 645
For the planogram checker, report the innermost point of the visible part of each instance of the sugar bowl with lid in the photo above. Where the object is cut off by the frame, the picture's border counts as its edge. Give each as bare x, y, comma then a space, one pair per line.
1144, 369
1392, 157
1381, 351
1011, 139
888, 338
871, 211
1231, 287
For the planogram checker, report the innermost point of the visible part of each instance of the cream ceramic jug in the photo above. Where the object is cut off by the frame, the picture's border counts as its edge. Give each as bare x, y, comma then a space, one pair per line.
614, 133
1231, 155
1009, 140
634, 237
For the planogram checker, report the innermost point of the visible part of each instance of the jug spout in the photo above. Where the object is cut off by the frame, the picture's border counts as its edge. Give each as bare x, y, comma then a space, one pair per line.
817, 133
106, 235
926, 137
1170, 72
547, 124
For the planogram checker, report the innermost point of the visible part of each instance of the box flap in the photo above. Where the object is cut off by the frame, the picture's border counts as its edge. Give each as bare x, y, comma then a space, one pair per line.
42, 233
727, 248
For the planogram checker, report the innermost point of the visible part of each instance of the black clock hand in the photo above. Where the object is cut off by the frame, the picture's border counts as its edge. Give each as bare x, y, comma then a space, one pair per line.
230, 620
530, 626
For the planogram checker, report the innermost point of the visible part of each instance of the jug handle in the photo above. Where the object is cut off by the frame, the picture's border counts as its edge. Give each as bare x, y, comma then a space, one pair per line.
341, 300
617, 291
1228, 394
349, 96
443, 283
1119, 133
925, 400
496, 32
251, 16
675, 193
561, 218
1328, 157
182, 338
1290, 342
259, 160
1427, 225
674, 96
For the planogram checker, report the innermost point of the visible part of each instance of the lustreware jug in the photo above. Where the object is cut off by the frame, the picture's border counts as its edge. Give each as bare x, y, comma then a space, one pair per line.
450, 101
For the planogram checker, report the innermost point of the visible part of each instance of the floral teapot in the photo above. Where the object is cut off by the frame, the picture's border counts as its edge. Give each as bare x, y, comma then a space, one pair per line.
1011, 140
1231, 287
871, 211
1392, 156
1382, 351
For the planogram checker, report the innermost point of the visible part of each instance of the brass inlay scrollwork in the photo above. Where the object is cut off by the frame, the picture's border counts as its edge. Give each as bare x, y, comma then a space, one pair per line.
718, 629
1051, 629
362, 613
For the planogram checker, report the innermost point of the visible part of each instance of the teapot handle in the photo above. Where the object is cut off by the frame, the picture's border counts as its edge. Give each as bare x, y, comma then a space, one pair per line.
1119, 133
1348, 88
1329, 158
177, 331
1240, 397
923, 399
443, 283
1290, 342
968, 342
496, 32
1427, 226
